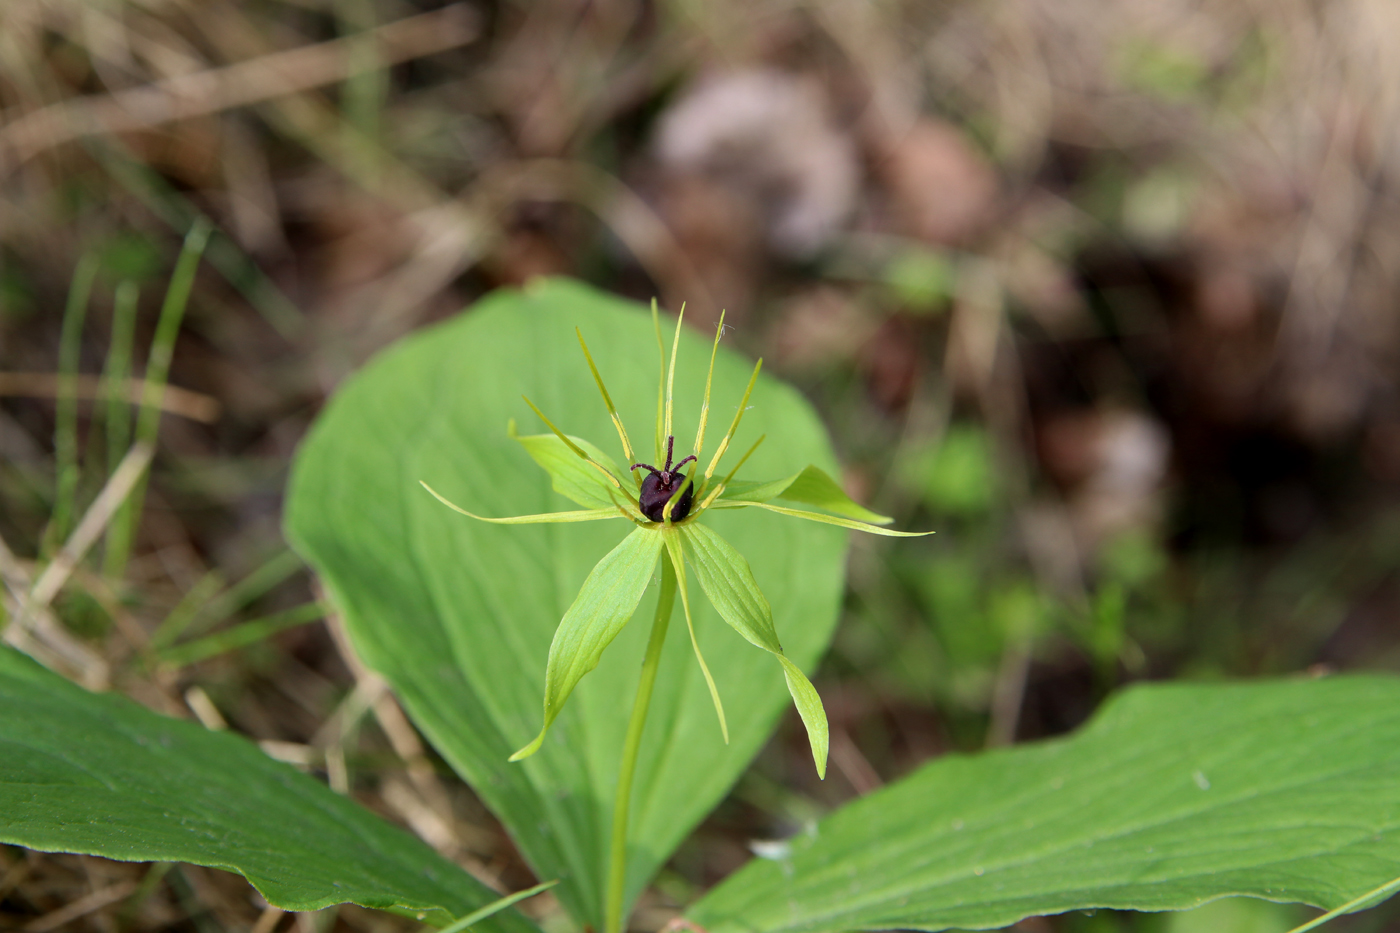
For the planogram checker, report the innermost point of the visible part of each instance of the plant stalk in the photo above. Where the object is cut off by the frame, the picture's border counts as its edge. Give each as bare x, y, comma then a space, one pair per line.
617, 860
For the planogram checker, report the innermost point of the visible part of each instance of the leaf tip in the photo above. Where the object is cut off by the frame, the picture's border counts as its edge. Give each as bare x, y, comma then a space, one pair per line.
529, 750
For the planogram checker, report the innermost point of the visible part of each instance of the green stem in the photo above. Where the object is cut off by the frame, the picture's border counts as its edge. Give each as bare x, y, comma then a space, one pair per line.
617, 861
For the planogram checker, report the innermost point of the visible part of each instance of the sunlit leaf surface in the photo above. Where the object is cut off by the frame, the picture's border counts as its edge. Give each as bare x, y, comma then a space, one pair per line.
459, 615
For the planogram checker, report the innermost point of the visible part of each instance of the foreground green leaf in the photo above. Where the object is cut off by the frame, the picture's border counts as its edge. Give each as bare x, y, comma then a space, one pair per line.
459, 616
100, 775
1172, 796
603, 606
728, 581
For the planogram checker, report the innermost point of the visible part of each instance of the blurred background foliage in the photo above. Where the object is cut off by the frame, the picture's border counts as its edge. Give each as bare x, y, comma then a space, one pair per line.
1104, 291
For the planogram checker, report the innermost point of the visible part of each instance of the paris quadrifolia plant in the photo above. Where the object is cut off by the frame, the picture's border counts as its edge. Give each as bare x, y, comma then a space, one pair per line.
666, 505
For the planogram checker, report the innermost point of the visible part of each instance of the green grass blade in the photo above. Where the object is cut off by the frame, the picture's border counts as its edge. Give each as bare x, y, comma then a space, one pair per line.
366, 87
65, 439
1369, 899
495, 907
242, 635
172, 312
190, 605
117, 371
212, 609
176, 211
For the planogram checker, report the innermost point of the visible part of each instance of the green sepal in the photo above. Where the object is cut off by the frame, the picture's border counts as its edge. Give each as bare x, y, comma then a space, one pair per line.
824, 519
545, 518
604, 604
725, 577
572, 476
810, 487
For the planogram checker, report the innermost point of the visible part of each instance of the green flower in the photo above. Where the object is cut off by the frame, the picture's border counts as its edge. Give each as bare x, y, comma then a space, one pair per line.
666, 508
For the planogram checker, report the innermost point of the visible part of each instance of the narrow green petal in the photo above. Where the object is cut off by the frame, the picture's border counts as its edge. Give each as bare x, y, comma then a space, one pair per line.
733, 425
591, 515
708, 496
676, 551
705, 399
660, 385
607, 400
827, 519
604, 604
811, 487
671, 374
726, 578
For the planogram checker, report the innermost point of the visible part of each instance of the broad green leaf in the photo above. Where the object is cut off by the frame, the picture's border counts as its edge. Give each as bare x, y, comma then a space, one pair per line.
607, 600
728, 581
574, 477
1173, 795
459, 615
100, 775
810, 487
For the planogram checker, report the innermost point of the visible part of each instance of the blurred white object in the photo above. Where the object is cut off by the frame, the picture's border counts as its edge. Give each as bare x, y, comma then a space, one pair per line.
767, 134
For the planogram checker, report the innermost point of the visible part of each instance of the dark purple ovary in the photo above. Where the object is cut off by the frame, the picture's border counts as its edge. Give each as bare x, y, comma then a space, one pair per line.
655, 494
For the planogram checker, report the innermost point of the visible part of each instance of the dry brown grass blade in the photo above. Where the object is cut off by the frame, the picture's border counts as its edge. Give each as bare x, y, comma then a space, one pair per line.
34, 629
181, 402
422, 801
123, 480
248, 82
60, 918
267, 920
